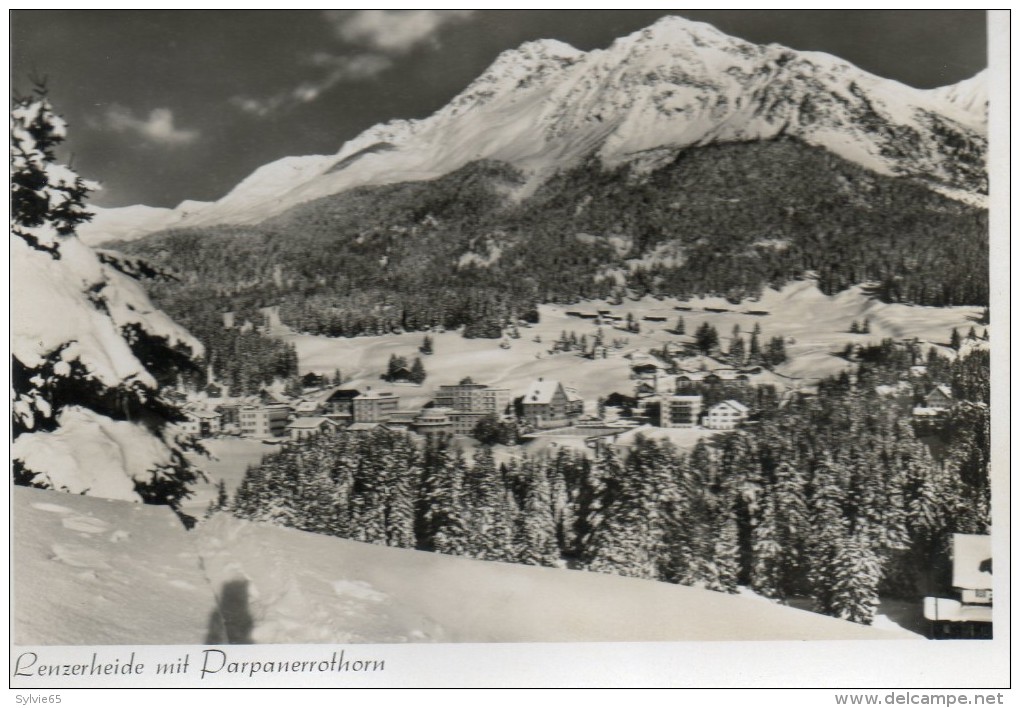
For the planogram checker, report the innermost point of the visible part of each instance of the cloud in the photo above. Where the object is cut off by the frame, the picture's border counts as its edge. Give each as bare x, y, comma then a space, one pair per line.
393, 32
338, 68
374, 40
158, 128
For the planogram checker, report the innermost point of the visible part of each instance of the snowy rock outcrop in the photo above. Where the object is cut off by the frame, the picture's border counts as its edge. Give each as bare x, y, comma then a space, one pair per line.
546, 106
88, 346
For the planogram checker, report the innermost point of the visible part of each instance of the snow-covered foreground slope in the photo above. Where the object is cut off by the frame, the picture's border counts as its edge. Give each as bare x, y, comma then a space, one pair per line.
96, 571
547, 106
88, 570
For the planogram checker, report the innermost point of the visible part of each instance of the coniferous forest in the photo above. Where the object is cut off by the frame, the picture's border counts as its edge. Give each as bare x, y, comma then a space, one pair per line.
835, 497
458, 251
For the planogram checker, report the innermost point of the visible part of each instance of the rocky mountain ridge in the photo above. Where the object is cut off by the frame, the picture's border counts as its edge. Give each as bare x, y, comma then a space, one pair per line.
546, 107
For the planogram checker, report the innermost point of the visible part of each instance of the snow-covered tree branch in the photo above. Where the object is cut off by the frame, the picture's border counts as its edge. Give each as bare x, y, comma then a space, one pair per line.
90, 351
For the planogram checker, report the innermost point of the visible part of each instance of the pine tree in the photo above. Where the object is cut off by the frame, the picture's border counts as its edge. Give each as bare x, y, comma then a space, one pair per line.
737, 351
754, 349
443, 516
91, 355
855, 575
954, 340
706, 338
221, 502
418, 374
426, 345
680, 328
405, 478
535, 536
629, 539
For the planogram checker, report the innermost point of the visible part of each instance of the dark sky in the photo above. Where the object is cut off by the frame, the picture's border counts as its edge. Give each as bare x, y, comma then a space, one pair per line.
172, 105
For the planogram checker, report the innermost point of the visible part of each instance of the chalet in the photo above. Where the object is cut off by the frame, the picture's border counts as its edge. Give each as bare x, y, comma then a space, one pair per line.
939, 397
340, 400
306, 427
725, 415
400, 374
620, 400
374, 406
575, 404
644, 389
272, 398
969, 616
654, 318
680, 411
202, 423
546, 405
972, 568
644, 370
309, 408
266, 421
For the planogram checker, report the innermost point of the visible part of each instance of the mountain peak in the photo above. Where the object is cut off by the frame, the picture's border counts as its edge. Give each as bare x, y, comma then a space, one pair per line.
546, 106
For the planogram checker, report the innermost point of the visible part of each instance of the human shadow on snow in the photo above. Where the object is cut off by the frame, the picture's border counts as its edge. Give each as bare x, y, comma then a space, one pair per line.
231, 622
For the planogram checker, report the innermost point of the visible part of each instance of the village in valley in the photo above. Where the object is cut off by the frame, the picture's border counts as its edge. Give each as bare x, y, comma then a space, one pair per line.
692, 385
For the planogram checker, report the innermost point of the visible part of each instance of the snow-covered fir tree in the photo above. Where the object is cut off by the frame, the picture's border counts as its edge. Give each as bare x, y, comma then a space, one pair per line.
90, 351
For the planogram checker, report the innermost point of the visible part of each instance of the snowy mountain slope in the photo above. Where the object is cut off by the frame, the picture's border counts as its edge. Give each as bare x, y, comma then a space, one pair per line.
133, 222
97, 571
969, 95
547, 106
307, 588
124, 224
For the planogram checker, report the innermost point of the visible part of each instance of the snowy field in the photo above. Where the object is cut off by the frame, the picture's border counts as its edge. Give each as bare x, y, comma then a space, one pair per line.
819, 325
95, 571
88, 570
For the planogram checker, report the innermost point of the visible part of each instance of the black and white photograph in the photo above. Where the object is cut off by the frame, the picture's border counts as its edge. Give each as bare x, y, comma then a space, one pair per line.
345, 329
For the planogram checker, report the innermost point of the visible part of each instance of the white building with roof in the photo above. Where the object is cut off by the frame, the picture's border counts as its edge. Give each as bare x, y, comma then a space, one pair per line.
939, 397
309, 426
264, 421
725, 415
202, 423
375, 406
546, 404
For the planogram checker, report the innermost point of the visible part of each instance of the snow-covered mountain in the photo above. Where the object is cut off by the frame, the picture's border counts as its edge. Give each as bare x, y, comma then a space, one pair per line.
133, 222
970, 95
547, 106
